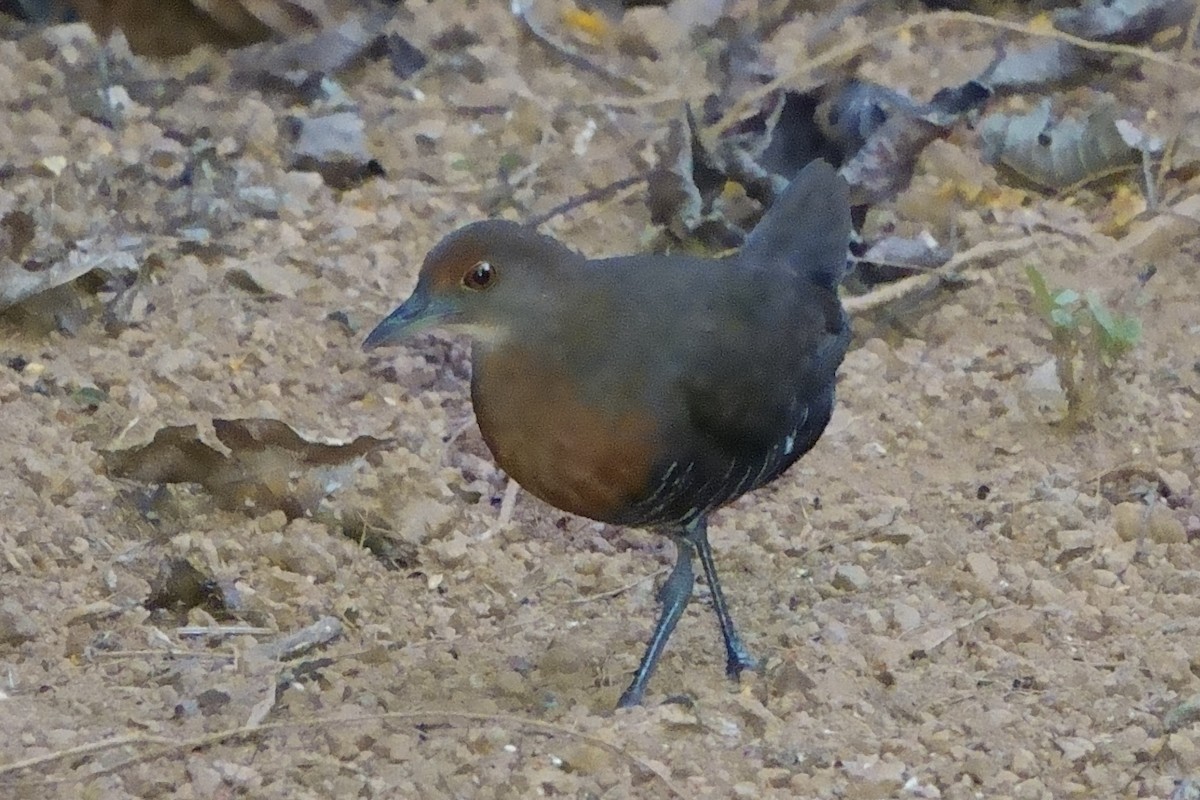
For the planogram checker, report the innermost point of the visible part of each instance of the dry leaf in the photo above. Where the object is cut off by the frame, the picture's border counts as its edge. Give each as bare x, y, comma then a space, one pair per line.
1059, 154
269, 465
165, 28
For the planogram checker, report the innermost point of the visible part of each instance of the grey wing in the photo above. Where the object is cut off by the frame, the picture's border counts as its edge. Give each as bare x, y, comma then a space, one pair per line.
775, 354
751, 407
761, 433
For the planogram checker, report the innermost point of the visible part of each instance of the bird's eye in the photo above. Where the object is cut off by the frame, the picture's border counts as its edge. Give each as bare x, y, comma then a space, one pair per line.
479, 276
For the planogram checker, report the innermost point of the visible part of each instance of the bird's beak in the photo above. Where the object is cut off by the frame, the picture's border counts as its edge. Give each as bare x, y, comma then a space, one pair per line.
416, 313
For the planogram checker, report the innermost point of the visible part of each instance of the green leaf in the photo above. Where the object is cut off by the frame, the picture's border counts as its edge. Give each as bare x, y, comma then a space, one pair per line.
1067, 297
1101, 313
1062, 318
89, 396
1041, 293
510, 162
1128, 329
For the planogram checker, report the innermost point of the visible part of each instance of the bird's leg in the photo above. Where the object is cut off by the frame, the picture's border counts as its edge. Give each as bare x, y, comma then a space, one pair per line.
737, 657
674, 596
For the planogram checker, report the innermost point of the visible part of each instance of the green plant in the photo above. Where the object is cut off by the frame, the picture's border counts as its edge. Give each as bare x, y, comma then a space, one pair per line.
1087, 339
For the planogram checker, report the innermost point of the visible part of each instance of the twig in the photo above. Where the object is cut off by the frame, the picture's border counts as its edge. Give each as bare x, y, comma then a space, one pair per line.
591, 598
172, 653
982, 615
323, 631
263, 707
222, 630
508, 504
599, 193
915, 284
962, 626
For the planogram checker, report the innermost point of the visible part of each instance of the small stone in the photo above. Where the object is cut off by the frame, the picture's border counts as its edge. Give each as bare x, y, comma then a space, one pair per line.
789, 678
850, 578
1184, 749
16, 626
875, 777
1046, 593
452, 551
274, 522
262, 201
1119, 557
1177, 482
1032, 789
1024, 763
1000, 718
1073, 544
1164, 527
405, 59
1075, 539
1074, 747
873, 450
983, 567
905, 616
334, 145
1043, 388
1129, 520
1183, 714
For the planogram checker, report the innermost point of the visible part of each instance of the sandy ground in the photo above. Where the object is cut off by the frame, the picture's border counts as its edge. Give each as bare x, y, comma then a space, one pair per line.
947, 595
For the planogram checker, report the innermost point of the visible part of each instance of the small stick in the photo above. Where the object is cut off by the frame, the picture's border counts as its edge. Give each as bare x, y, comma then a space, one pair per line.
592, 196
508, 503
913, 284
323, 631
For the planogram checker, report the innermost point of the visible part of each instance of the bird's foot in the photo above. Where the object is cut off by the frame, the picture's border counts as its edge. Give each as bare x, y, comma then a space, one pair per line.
631, 697
738, 660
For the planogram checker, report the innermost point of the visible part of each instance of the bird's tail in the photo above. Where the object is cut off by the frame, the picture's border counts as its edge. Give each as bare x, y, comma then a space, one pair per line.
807, 227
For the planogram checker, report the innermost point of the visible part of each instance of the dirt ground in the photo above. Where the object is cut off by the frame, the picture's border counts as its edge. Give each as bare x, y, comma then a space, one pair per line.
952, 595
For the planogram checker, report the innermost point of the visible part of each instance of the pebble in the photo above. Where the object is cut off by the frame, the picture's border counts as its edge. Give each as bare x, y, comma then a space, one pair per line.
1074, 747
1177, 481
1046, 593
335, 145
905, 616
1129, 519
850, 578
1165, 527
453, 550
263, 201
983, 567
1075, 539
1184, 749
16, 626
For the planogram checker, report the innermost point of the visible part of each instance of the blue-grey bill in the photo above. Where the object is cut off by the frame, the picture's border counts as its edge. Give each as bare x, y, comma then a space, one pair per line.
415, 313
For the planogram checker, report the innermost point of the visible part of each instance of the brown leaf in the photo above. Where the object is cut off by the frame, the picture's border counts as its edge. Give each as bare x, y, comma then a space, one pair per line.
165, 28
1059, 153
270, 466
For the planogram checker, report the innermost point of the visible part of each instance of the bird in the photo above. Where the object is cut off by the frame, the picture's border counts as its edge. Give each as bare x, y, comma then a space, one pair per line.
649, 390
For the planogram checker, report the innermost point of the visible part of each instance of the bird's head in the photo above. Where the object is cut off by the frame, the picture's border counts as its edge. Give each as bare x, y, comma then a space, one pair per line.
479, 280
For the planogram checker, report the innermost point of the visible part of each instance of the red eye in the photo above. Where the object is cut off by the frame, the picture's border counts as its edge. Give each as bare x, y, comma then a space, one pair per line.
479, 276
